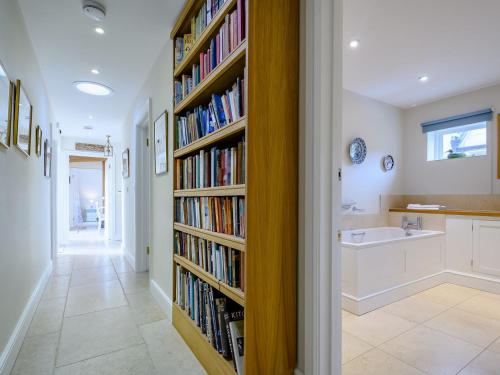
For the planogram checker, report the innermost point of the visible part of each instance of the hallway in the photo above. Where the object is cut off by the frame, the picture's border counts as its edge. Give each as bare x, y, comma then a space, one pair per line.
97, 316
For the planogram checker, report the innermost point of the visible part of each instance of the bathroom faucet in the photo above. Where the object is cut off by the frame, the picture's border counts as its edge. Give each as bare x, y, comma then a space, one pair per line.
409, 225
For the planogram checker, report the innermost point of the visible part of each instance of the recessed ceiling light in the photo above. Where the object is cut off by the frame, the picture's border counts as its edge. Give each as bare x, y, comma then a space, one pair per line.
354, 44
94, 71
91, 117
423, 78
99, 30
93, 88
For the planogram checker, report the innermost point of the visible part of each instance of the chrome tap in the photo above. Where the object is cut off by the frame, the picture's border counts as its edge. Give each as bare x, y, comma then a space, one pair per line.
409, 225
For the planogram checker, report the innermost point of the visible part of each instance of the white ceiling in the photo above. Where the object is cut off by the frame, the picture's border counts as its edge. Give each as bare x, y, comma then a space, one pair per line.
454, 42
67, 48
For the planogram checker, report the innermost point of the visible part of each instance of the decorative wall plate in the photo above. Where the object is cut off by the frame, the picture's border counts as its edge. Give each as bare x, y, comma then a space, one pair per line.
357, 151
388, 162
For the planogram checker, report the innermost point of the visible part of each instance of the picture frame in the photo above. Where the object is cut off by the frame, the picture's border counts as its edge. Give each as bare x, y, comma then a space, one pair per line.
7, 93
161, 143
38, 141
23, 114
126, 163
47, 158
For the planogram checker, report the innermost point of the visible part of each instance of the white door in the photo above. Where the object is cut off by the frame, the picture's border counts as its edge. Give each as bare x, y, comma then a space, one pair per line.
487, 247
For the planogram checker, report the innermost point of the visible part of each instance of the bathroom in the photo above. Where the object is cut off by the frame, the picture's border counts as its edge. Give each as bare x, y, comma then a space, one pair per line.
420, 188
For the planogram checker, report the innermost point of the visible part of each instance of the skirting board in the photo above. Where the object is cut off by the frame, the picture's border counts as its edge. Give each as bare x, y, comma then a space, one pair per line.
9, 355
163, 300
360, 306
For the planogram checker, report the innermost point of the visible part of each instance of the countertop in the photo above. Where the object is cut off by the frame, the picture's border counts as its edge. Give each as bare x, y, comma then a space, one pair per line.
450, 212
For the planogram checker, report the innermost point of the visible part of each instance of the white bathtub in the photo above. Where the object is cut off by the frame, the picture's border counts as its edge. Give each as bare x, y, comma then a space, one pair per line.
360, 238
383, 265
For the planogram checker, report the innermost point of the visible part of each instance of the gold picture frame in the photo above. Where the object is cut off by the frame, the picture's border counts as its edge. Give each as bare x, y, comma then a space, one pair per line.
23, 115
6, 107
38, 141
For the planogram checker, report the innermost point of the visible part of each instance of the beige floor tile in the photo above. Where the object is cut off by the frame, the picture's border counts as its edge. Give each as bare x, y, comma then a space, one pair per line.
94, 297
416, 308
495, 347
483, 306
62, 269
93, 275
487, 363
144, 308
48, 317
90, 261
431, 351
473, 328
376, 327
346, 314
376, 362
121, 265
353, 347
57, 287
131, 361
94, 334
491, 295
37, 355
449, 294
168, 351
134, 282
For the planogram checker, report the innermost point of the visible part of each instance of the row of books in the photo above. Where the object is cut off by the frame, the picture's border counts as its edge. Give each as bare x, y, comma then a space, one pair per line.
228, 38
198, 23
219, 319
225, 264
222, 110
218, 214
211, 168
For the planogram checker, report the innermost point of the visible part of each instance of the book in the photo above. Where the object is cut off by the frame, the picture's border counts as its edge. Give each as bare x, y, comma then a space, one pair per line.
235, 331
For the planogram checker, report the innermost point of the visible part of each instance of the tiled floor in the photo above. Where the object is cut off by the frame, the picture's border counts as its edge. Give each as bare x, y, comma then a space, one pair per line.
98, 317
445, 330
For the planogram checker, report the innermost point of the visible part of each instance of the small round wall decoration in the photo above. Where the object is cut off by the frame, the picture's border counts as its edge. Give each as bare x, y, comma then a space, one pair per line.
388, 162
357, 151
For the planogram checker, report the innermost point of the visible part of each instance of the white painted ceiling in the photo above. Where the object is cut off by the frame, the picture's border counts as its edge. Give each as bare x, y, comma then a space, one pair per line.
454, 42
67, 48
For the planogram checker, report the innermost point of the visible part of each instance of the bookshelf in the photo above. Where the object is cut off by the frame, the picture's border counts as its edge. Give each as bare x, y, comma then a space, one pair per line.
261, 73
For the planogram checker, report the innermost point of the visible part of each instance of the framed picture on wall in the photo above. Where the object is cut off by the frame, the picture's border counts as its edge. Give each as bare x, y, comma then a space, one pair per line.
38, 141
23, 112
7, 91
126, 163
47, 158
161, 143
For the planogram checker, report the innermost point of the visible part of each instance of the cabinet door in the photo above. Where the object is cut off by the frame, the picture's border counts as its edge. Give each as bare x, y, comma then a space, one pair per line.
487, 247
459, 244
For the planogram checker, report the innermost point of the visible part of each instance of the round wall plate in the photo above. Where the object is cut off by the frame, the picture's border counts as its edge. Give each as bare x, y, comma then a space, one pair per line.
388, 162
357, 151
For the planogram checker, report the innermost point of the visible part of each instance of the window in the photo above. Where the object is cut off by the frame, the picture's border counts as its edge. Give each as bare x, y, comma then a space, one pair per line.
457, 142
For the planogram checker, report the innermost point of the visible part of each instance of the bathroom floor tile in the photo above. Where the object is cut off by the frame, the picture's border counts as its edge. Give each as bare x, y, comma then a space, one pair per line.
131, 361
376, 327
134, 282
487, 363
93, 275
37, 355
57, 287
472, 328
432, 351
416, 308
169, 352
376, 362
346, 314
62, 269
48, 317
495, 347
481, 305
353, 347
90, 261
449, 294
144, 308
121, 265
94, 297
94, 334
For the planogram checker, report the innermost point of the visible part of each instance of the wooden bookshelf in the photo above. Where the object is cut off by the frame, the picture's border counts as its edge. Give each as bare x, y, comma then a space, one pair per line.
267, 59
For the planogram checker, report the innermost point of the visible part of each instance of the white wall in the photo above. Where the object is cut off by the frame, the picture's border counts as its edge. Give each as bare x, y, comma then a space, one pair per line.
458, 176
158, 86
25, 209
380, 125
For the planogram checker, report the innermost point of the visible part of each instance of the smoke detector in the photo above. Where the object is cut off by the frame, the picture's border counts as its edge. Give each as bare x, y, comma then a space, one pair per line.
94, 10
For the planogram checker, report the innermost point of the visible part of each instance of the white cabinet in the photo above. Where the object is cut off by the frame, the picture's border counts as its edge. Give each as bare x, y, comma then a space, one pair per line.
459, 244
486, 248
